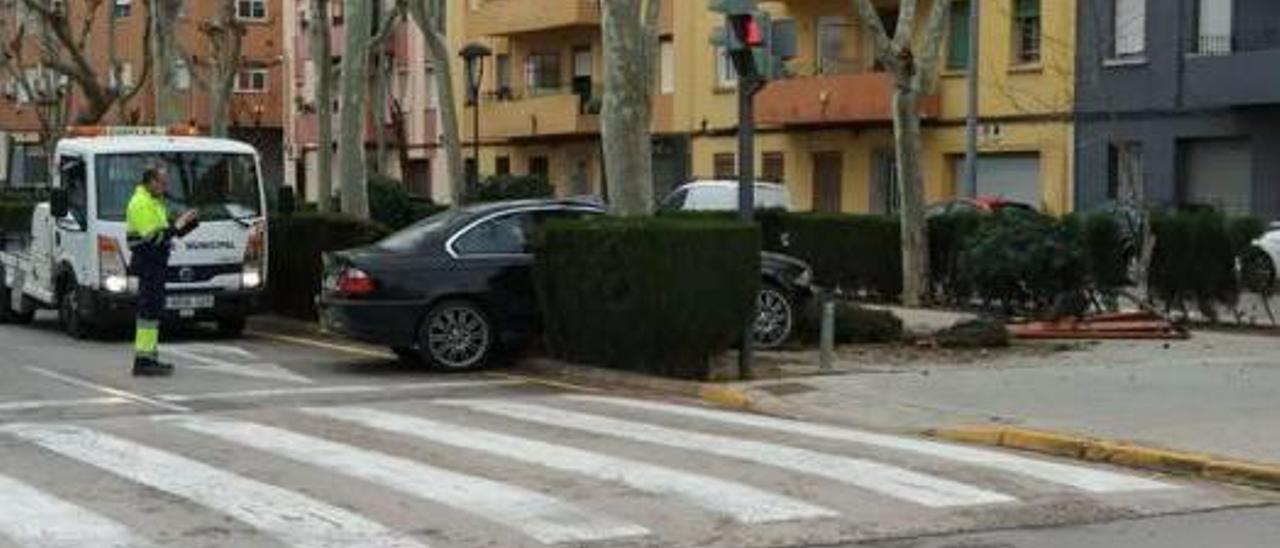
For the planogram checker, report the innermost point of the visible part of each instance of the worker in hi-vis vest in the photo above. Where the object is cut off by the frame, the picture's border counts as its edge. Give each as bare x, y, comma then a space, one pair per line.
150, 237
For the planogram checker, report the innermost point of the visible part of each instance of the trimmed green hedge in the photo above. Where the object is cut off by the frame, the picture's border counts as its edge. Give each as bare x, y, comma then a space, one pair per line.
653, 295
511, 187
853, 324
1194, 262
392, 206
15, 215
296, 246
858, 253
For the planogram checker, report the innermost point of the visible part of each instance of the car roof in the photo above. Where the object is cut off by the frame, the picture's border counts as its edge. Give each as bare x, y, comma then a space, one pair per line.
721, 183
154, 144
504, 205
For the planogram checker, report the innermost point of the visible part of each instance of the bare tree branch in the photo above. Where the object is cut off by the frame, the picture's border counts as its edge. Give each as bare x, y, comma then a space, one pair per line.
906, 23
926, 78
884, 48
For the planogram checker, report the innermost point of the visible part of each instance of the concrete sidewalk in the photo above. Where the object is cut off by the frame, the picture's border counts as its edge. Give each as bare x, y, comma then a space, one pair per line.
1216, 393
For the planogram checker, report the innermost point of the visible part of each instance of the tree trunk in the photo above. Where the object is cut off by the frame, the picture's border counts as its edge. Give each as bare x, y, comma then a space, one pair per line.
625, 117
425, 14
322, 62
168, 102
381, 66
226, 38
915, 236
354, 89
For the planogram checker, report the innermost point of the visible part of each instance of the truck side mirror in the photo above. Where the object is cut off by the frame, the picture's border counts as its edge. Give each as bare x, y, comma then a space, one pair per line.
59, 203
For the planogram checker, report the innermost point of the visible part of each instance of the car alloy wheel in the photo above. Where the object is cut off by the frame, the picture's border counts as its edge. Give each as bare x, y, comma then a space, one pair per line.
1257, 271
773, 318
457, 336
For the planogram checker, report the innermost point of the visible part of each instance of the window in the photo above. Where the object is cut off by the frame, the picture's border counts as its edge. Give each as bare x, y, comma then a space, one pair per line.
833, 36
540, 166
122, 8
506, 235
542, 71
181, 74
338, 11
667, 68
220, 186
958, 43
675, 202
1130, 28
74, 178
726, 75
724, 166
502, 166
122, 78
252, 81
1124, 181
29, 165
1026, 26
1215, 33
251, 10
773, 168
503, 69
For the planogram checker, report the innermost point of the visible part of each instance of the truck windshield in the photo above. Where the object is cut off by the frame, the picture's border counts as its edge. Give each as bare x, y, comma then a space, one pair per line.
219, 186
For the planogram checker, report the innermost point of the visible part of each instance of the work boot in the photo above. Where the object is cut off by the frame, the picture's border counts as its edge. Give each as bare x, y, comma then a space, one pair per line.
150, 367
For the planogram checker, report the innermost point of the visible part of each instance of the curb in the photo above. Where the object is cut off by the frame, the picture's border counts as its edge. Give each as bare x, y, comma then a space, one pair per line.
1119, 453
714, 394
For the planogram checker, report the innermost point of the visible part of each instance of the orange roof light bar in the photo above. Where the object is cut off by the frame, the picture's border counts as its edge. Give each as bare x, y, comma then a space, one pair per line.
132, 131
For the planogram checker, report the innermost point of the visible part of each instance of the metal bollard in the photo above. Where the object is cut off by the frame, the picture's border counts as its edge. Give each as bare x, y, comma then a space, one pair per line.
827, 343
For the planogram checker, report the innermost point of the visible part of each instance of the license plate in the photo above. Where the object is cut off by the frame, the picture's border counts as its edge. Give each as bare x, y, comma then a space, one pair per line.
188, 302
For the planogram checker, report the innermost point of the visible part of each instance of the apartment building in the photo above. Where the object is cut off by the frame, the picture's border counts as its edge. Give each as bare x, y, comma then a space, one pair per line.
826, 132
256, 107
408, 122
1179, 102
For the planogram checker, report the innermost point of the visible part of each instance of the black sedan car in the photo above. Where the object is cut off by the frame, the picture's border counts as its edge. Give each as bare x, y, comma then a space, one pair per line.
456, 287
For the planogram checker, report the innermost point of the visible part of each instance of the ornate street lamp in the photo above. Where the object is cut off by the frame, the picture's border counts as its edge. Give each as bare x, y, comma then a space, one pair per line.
473, 55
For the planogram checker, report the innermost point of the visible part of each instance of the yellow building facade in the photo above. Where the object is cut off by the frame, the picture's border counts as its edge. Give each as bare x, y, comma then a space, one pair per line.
826, 132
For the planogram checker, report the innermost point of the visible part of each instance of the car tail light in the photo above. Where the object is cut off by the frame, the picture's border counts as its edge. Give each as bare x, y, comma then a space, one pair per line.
254, 254
111, 268
355, 282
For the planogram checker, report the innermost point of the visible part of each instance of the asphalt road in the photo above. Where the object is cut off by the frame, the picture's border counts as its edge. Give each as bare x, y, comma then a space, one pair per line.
262, 443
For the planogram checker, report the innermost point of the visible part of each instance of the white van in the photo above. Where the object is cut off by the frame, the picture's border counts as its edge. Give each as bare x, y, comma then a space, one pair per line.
723, 196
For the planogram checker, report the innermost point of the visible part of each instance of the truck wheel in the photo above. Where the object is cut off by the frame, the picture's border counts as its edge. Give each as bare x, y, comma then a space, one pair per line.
72, 316
6, 301
232, 326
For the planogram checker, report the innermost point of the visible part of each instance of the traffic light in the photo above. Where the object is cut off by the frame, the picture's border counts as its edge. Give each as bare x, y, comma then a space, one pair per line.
757, 45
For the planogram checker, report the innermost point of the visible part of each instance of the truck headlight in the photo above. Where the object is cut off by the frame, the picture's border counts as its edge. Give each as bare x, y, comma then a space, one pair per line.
251, 279
116, 284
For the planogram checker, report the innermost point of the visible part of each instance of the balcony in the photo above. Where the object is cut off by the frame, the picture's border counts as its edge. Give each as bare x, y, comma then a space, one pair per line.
545, 113
856, 98
1237, 70
511, 17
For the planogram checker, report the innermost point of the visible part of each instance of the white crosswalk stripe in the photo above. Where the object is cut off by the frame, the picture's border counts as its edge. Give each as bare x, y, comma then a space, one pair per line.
539, 516
33, 518
293, 518
742, 503
1087, 479
881, 478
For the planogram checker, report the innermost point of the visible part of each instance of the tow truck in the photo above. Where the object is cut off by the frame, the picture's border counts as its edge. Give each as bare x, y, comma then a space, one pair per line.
75, 259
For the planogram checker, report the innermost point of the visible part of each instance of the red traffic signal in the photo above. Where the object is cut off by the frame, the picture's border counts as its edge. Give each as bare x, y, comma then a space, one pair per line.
747, 30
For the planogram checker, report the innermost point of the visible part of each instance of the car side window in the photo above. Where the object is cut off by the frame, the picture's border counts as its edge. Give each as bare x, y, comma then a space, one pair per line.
675, 202
74, 181
505, 235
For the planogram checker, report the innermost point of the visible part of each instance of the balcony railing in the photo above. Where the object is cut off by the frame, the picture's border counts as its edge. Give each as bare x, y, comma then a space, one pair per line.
1211, 45
537, 112
508, 17
833, 93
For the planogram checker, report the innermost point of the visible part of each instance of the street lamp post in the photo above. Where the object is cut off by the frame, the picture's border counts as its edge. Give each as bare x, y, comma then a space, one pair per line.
473, 55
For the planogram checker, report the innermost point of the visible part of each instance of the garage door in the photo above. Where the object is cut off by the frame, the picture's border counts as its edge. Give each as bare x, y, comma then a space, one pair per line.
1011, 176
1219, 173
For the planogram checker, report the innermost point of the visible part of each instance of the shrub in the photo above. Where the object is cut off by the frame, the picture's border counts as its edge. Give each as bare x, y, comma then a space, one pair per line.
511, 187
853, 324
1023, 260
15, 213
857, 253
1243, 231
1194, 261
948, 235
653, 295
296, 246
392, 206
1107, 252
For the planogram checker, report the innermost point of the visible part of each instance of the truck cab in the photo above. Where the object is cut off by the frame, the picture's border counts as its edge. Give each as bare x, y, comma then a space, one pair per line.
76, 257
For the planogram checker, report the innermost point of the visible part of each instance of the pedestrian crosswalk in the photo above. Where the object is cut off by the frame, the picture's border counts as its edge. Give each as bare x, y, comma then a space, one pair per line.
529, 470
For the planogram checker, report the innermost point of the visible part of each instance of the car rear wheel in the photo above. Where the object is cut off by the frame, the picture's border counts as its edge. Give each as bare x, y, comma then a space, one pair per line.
456, 336
1257, 271
775, 317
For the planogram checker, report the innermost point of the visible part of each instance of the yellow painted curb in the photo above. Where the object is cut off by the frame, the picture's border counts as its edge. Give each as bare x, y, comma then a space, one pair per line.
725, 397
1117, 453
1261, 475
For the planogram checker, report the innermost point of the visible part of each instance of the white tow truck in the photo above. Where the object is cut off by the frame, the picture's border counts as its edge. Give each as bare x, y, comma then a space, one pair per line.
75, 257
